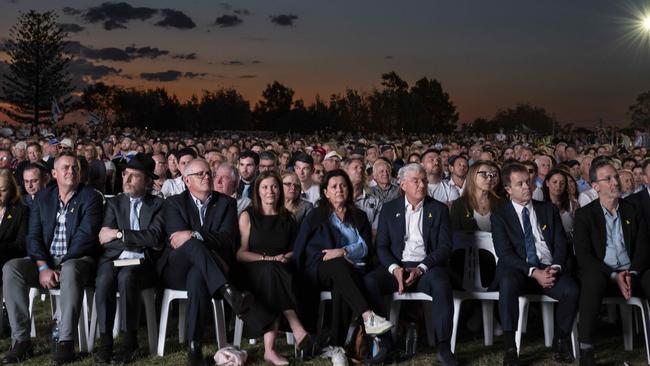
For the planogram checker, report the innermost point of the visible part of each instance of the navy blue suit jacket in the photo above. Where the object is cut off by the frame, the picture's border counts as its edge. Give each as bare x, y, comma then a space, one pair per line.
83, 221
641, 200
436, 232
508, 237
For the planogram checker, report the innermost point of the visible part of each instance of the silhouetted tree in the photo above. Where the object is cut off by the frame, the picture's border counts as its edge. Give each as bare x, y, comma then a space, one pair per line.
272, 111
639, 112
525, 118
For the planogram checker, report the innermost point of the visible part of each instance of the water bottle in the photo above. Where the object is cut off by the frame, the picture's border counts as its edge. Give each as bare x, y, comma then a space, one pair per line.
55, 337
411, 339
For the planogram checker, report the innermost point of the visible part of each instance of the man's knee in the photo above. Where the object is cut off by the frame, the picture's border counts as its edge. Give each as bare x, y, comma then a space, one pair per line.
16, 269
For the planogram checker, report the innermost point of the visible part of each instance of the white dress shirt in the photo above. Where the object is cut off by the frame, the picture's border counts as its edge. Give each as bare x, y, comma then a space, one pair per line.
414, 250
312, 194
173, 186
442, 191
543, 253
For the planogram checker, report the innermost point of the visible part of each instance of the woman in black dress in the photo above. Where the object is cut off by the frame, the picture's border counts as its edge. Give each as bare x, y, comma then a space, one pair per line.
267, 233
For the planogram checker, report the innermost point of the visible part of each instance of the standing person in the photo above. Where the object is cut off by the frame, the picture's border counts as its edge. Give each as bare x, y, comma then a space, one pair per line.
611, 243
267, 232
414, 246
132, 229
292, 201
201, 231
62, 246
530, 243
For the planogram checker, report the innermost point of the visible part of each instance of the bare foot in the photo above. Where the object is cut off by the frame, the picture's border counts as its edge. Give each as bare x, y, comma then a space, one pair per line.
274, 358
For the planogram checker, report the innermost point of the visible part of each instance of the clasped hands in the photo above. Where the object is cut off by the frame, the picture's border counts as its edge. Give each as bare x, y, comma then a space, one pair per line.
624, 282
547, 277
413, 274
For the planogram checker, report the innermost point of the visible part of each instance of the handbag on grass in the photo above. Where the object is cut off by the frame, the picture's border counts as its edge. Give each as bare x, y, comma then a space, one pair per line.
230, 356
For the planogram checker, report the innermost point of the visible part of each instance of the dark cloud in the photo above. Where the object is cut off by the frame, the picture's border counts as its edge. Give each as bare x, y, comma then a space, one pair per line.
232, 63
115, 15
81, 68
71, 27
285, 20
247, 76
71, 11
113, 53
175, 19
242, 12
185, 56
169, 75
228, 21
192, 75
255, 62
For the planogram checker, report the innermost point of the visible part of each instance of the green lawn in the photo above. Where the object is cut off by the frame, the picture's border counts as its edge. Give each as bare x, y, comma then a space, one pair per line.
469, 349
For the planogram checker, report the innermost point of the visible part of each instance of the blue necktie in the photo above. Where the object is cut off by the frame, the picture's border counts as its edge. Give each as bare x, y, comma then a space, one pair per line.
529, 239
135, 222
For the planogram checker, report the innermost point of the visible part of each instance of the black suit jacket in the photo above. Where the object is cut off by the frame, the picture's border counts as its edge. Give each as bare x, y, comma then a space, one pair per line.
13, 231
590, 237
117, 215
641, 200
83, 221
508, 237
462, 216
436, 232
219, 230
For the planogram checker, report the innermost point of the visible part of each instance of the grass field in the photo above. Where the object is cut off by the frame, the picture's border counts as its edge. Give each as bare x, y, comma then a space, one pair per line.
470, 348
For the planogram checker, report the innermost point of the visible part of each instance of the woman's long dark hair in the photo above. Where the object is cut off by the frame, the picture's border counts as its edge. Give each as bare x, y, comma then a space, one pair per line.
565, 202
325, 207
257, 200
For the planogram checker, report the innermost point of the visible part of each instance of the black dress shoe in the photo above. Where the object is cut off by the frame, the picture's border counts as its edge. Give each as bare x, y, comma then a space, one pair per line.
18, 353
562, 351
587, 357
195, 354
511, 358
64, 353
129, 350
104, 351
306, 348
447, 358
239, 301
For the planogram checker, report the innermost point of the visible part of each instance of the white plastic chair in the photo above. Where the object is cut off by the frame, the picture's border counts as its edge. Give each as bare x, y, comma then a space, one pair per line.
170, 295
472, 242
239, 330
82, 328
396, 303
148, 300
626, 319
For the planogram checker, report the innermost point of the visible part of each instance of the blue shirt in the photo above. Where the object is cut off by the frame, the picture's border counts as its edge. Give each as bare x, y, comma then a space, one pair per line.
583, 185
616, 256
352, 242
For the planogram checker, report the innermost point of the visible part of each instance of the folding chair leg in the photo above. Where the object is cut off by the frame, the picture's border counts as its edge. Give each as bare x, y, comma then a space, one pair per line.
148, 298
488, 321
239, 328
523, 312
574, 340
454, 332
219, 323
164, 317
626, 322
429, 325
394, 317
182, 306
549, 325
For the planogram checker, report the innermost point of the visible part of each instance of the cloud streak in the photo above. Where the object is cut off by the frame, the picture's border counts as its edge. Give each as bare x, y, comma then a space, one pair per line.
283, 20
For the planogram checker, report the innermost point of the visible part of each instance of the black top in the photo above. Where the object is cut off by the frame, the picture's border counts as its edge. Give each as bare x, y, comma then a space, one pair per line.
271, 234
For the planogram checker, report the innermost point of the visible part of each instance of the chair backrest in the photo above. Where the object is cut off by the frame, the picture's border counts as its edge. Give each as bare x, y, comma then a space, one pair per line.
472, 242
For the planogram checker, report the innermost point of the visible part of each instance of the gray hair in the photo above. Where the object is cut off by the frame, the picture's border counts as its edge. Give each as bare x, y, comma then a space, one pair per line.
543, 157
234, 173
410, 168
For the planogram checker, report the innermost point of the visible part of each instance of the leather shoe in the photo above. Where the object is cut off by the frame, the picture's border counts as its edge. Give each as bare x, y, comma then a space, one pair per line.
587, 357
104, 351
562, 352
195, 354
18, 353
511, 358
129, 350
64, 353
239, 301
447, 358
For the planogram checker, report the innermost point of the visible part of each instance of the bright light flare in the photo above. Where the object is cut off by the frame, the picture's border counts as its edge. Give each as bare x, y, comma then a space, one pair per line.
646, 23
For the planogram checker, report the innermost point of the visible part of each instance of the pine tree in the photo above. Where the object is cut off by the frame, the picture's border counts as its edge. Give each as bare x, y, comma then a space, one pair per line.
38, 73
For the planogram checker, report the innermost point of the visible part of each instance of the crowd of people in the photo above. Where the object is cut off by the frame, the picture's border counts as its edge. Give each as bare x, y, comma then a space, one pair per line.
268, 222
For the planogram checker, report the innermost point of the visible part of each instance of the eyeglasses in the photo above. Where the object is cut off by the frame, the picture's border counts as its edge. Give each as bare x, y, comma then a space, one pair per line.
487, 175
289, 184
201, 174
608, 178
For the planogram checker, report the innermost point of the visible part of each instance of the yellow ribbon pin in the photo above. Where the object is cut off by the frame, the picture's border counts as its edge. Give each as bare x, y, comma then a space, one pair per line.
627, 222
544, 227
9, 217
430, 215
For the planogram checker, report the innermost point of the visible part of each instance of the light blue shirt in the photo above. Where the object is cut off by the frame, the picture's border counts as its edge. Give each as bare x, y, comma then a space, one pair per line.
616, 256
353, 243
583, 185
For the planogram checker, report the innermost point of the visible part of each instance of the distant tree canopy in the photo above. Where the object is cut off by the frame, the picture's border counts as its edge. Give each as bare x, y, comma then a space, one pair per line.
639, 112
523, 117
38, 72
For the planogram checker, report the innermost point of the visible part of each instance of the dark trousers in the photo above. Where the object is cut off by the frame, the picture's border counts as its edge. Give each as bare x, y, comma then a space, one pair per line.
128, 281
596, 285
194, 268
435, 282
514, 283
348, 299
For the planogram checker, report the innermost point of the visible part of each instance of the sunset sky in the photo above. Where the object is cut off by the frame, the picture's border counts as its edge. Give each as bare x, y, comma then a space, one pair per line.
582, 60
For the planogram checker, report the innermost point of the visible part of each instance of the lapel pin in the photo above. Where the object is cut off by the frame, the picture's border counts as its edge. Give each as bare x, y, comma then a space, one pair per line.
397, 214
430, 215
627, 222
72, 210
9, 217
544, 227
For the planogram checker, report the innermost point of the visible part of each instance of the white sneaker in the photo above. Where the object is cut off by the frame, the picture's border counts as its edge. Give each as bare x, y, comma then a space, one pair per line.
376, 325
336, 354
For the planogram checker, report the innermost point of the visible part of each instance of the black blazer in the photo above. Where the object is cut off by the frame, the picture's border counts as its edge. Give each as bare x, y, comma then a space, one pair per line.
590, 237
508, 237
83, 221
462, 217
13, 231
219, 231
642, 201
436, 232
117, 215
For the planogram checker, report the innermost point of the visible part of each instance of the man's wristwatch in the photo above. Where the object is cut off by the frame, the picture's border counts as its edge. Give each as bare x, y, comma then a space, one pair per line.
119, 234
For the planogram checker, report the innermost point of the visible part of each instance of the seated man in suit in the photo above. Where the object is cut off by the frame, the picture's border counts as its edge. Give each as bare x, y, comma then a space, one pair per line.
414, 246
133, 226
642, 198
530, 243
611, 243
202, 234
62, 246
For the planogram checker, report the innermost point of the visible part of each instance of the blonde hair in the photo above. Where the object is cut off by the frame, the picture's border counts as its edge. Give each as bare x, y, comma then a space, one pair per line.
12, 186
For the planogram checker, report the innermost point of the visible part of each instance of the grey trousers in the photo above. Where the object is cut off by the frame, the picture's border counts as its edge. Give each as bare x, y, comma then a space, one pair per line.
18, 275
